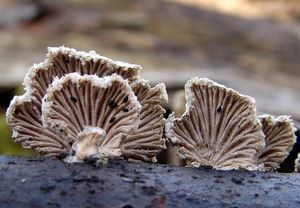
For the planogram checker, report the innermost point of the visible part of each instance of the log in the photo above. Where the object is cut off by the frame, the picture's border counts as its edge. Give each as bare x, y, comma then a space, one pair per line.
49, 182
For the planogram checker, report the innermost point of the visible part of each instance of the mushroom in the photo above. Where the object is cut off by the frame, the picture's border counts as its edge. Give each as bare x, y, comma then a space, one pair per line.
279, 138
90, 111
24, 112
219, 127
73, 130
146, 141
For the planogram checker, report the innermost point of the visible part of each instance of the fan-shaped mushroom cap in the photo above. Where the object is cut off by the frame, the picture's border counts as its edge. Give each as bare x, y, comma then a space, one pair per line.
62, 60
146, 142
24, 117
218, 129
279, 138
90, 111
24, 113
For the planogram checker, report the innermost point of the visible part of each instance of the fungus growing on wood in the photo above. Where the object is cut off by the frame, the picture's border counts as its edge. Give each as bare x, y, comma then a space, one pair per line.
89, 110
67, 108
219, 128
147, 141
279, 138
61, 60
24, 113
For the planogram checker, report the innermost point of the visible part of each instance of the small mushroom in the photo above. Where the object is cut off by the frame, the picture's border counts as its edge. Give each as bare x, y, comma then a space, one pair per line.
146, 141
61, 60
219, 128
24, 117
24, 113
79, 108
279, 138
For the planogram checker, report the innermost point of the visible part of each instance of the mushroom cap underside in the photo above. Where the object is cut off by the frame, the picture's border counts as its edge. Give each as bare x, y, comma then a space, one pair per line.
218, 129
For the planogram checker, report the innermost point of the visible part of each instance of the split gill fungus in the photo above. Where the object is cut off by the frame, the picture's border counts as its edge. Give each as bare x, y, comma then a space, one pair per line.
85, 106
88, 106
220, 129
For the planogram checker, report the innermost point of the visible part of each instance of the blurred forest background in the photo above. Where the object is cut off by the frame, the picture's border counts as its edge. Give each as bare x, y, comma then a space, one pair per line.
252, 46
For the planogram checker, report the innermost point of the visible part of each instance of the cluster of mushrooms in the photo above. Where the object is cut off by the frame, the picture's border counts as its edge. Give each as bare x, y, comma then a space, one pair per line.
88, 106
83, 105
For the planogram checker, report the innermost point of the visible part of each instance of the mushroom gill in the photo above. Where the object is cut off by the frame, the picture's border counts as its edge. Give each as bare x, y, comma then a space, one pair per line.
219, 128
24, 112
90, 111
147, 141
279, 138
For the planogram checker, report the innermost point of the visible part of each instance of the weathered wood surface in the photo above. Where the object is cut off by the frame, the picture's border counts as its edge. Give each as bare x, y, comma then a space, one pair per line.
51, 183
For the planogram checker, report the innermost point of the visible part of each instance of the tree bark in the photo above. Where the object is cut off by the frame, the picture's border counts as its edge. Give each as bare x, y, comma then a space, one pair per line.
49, 182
